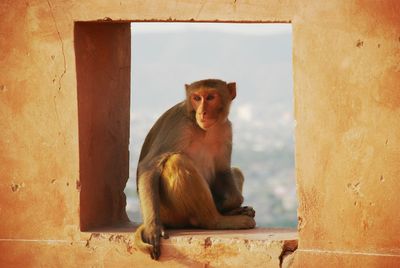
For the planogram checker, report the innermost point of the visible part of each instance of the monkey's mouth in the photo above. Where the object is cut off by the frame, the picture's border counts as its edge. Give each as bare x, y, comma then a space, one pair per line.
206, 123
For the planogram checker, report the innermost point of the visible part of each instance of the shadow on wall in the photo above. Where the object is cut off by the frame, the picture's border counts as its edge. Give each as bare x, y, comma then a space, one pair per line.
102, 54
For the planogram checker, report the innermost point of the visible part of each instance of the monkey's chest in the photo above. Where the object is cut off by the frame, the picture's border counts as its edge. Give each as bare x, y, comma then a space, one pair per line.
205, 157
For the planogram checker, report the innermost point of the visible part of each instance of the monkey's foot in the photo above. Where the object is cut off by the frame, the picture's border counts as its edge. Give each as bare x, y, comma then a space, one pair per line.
147, 239
247, 211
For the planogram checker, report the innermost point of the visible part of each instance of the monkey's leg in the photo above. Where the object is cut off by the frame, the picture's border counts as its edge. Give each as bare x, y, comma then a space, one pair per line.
238, 178
186, 199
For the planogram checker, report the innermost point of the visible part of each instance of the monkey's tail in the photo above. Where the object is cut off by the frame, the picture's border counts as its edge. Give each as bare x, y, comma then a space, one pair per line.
138, 242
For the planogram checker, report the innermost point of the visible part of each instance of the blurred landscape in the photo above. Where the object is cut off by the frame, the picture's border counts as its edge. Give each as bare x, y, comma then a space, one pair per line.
259, 59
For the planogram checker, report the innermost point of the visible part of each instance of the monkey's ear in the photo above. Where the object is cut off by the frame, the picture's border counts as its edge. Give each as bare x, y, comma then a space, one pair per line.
186, 88
232, 89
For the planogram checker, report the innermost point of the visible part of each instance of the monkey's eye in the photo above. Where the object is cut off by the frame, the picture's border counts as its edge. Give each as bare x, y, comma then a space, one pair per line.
196, 98
210, 97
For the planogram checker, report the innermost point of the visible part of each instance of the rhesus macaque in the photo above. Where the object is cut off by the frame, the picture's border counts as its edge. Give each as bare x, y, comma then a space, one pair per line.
184, 174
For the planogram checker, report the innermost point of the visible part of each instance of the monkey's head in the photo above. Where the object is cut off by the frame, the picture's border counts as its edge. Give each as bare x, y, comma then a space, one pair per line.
209, 100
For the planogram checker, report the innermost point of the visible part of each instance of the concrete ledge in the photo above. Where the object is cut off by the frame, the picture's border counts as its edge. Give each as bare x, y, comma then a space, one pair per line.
260, 247
113, 247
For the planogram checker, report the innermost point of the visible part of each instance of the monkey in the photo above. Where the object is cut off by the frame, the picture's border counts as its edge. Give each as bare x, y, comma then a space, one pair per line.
184, 174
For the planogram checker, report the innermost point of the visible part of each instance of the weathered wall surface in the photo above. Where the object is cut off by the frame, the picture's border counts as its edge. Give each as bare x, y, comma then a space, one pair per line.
347, 104
347, 92
38, 122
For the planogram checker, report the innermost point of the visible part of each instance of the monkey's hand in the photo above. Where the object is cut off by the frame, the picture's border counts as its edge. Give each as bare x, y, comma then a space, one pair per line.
147, 239
248, 211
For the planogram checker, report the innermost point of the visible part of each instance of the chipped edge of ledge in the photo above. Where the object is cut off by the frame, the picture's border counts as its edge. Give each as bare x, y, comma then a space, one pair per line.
288, 252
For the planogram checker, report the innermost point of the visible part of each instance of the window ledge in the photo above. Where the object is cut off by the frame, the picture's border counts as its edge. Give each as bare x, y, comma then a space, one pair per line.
266, 247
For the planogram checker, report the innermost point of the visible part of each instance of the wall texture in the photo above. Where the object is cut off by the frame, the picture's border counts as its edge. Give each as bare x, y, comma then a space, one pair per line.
346, 60
347, 107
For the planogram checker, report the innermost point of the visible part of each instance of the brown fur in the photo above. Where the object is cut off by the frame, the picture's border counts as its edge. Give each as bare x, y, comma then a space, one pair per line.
184, 174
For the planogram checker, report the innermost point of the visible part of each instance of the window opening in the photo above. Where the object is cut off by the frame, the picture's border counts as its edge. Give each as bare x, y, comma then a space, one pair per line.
258, 57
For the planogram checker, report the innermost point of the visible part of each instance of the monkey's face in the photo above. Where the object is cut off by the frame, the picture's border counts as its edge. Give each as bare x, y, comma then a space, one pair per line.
207, 105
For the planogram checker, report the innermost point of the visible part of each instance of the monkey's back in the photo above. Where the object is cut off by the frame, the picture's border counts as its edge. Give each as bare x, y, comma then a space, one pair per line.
168, 133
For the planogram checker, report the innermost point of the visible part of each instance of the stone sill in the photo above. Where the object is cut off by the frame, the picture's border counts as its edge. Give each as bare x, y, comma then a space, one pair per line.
259, 247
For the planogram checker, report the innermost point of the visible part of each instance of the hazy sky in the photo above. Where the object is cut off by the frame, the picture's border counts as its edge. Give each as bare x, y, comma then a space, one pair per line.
165, 56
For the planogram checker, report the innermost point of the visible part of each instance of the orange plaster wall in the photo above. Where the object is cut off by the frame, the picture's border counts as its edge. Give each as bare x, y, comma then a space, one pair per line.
346, 58
347, 92
38, 122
